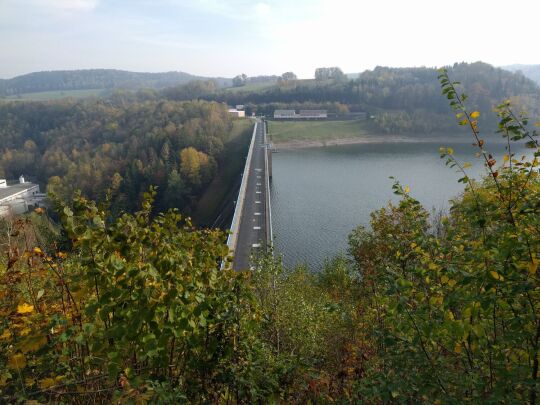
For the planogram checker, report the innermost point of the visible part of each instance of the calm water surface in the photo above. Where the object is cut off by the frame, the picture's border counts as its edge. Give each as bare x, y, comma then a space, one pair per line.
320, 194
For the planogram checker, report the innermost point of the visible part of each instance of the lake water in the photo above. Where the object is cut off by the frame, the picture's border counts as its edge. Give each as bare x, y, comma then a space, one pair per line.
320, 194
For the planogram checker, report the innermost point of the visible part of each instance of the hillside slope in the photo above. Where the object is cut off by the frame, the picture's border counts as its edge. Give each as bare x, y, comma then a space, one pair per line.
530, 71
95, 79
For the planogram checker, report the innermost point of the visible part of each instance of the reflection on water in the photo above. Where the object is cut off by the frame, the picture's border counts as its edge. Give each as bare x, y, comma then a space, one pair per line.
319, 195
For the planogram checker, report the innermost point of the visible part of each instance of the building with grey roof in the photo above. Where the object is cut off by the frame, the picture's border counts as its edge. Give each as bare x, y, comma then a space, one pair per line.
19, 197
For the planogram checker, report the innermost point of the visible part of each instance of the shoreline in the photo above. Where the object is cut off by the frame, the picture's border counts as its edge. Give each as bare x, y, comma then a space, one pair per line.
368, 139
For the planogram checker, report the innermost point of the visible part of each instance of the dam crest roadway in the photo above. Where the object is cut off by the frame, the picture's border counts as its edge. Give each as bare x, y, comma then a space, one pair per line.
251, 227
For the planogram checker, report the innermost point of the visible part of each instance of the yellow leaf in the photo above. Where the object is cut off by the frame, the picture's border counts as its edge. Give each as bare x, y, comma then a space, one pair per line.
506, 158
406, 189
25, 308
5, 335
3, 379
38, 250
25, 331
457, 349
451, 282
433, 266
450, 151
496, 275
475, 115
533, 266
467, 165
46, 383
32, 343
17, 361
444, 279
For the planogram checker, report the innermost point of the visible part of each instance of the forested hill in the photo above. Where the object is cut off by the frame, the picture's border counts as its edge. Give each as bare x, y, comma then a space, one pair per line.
530, 71
402, 99
95, 79
95, 145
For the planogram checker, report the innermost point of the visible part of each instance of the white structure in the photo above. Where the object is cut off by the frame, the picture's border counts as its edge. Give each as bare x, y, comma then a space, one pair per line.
284, 114
303, 115
18, 198
313, 114
237, 113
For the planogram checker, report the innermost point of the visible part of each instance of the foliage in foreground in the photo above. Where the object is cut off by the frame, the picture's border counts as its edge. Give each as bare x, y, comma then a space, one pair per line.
455, 309
136, 310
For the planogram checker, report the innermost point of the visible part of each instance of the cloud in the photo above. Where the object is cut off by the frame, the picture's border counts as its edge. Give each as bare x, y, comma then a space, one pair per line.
67, 5
262, 9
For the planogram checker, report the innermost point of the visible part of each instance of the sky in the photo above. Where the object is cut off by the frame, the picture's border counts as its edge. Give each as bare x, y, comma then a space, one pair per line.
229, 37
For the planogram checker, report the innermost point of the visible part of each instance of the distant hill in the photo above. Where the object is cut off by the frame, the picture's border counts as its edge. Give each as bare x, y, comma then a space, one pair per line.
402, 99
400, 88
62, 80
530, 71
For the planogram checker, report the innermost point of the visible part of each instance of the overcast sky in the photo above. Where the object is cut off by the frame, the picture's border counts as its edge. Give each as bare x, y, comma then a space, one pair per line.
228, 37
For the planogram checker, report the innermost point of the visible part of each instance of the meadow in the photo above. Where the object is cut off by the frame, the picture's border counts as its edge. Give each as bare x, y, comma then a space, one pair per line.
286, 131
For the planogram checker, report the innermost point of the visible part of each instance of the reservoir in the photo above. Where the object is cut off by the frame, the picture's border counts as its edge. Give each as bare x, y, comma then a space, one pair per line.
319, 195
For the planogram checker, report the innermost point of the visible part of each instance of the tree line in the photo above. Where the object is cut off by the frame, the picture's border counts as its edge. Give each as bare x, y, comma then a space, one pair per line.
119, 145
400, 96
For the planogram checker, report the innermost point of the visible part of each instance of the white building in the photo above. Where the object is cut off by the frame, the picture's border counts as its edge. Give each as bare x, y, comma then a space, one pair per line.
18, 198
303, 115
284, 114
313, 114
237, 113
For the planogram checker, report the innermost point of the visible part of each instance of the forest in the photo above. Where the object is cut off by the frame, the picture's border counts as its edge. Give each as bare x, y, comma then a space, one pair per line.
95, 79
103, 147
133, 308
403, 100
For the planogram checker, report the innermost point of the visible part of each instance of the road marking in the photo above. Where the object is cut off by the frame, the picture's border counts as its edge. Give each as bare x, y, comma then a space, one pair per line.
257, 213
257, 202
256, 227
259, 184
258, 192
256, 245
258, 177
258, 170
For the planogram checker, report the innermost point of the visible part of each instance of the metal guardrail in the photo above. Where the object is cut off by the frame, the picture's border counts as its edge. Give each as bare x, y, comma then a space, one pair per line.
269, 233
233, 236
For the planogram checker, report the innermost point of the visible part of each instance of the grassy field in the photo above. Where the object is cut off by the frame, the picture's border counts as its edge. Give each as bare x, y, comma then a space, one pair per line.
220, 194
251, 87
57, 95
285, 131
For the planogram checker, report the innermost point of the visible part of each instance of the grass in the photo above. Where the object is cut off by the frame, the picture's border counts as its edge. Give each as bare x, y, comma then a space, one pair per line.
57, 95
251, 87
284, 131
220, 194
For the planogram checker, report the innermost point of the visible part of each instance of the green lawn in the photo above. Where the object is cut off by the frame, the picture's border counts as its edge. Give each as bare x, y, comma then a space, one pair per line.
231, 163
284, 131
57, 95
